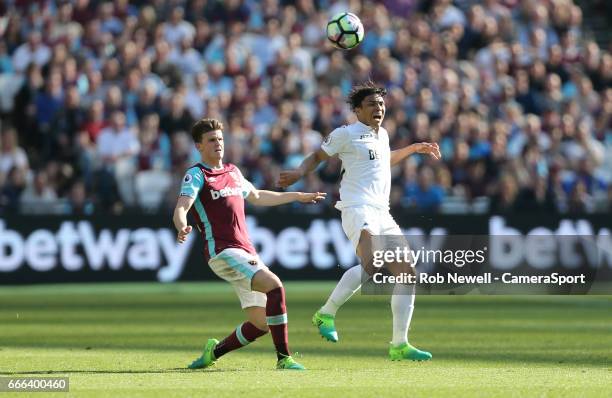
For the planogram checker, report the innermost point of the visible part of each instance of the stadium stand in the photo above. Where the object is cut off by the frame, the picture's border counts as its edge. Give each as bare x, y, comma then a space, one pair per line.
97, 98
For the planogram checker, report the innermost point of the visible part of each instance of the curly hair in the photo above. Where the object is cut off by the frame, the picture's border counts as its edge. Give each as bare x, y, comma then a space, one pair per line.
360, 91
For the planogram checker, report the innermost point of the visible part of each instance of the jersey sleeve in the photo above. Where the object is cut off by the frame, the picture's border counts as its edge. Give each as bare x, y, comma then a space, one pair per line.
246, 185
335, 142
193, 181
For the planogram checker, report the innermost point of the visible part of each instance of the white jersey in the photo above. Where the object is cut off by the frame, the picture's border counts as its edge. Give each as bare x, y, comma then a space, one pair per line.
366, 164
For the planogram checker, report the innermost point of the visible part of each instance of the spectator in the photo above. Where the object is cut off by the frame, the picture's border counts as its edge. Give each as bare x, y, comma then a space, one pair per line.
108, 21
426, 194
82, 12
186, 58
78, 202
536, 198
177, 118
95, 91
33, 51
65, 28
177, 29
196, 95
504, 200
65, 126
531, 133
584, 145
38, 196
48, 103
23, 103
182, 156
6, 65
154, 145
168, 72
95, 121
270, 43
580, 201
117, 149
11, 190
148, 100
12, 156
117, 142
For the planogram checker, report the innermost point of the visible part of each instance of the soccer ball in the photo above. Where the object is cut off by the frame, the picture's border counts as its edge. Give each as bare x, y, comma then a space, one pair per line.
345, 31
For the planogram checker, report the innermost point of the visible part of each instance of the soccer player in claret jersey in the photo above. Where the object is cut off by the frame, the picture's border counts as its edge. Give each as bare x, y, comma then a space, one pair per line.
214, 192
366, 158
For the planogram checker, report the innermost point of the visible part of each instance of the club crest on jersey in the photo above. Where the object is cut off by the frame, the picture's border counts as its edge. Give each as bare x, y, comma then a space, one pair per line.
253, 262
188, 178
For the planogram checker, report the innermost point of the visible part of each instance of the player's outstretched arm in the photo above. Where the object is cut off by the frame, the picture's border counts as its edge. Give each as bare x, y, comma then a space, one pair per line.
270, 198
309, 164
426, 148
179, 218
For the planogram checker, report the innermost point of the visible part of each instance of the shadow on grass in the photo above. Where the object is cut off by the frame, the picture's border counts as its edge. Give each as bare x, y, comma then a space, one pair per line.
378, 351
493, 356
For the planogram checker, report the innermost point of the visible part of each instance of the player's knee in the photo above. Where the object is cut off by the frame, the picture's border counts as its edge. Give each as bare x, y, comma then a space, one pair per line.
277, 284
368, 267
364, 252
402, 269
265, 280
367, 263
274, 281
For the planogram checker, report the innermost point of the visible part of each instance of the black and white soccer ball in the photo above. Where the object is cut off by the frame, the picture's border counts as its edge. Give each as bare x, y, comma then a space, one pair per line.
345, 31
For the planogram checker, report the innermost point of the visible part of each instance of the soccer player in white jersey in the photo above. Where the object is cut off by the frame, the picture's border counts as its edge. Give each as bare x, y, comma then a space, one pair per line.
366, 158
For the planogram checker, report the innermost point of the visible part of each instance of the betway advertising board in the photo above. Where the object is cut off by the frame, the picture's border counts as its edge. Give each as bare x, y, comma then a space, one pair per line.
296, 246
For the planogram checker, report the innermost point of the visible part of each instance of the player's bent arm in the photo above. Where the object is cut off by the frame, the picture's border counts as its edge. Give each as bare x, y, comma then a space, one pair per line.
308, 165
422, 147
179, 218
260, 197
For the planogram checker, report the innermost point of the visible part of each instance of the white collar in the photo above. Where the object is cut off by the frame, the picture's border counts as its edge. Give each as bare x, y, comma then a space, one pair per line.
363, 125
370, 129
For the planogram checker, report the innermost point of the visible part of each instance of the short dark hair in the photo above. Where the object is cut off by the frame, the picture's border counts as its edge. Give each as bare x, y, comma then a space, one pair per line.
204, 126
360, 91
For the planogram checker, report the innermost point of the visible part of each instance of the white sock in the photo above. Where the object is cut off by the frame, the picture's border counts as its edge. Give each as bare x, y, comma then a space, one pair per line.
346, 287
402, 305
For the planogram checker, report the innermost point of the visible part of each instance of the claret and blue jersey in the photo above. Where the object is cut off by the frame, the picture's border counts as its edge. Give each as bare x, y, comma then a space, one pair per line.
218, 206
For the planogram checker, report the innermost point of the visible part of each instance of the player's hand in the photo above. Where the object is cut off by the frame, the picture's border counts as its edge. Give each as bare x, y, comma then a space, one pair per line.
314, 197
182, 234
428, 148
289, 177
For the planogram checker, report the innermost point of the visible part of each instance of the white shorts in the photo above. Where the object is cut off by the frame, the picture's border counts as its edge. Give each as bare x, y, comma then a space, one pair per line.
374, 220
238, 267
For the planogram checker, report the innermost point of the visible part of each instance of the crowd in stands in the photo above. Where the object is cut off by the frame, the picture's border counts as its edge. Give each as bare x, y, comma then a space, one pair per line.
97, 99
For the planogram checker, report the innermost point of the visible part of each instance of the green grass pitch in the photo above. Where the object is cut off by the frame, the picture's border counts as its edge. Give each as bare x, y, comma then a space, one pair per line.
136, 339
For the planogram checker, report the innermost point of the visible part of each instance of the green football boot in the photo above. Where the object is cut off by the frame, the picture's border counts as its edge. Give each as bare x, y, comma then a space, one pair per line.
325, 324
208, 357
406, 351
289, 363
